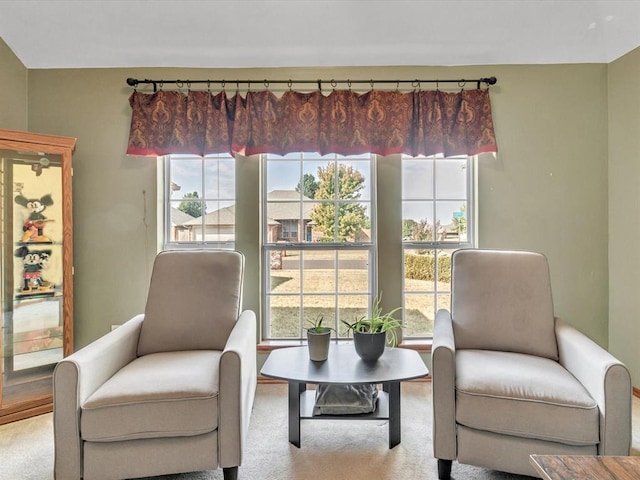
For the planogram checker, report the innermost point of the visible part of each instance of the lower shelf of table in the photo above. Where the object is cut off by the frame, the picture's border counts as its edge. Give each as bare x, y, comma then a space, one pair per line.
308, 400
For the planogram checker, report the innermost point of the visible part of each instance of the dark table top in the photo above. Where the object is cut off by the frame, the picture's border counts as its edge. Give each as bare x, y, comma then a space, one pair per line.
343, 366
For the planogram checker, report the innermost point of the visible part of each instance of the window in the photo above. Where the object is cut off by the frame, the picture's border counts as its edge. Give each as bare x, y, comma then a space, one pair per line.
318, 241
437, 218
199, 201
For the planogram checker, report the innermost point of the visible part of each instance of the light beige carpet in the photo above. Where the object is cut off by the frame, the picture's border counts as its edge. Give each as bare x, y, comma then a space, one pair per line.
330, 449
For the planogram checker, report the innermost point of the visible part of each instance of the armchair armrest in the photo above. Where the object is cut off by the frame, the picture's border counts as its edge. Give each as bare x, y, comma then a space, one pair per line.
238, 379
75, 378
443, 373
606, 379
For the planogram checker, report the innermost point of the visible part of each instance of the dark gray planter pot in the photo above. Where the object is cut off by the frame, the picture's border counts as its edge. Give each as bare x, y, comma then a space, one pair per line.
318, 345
369, 346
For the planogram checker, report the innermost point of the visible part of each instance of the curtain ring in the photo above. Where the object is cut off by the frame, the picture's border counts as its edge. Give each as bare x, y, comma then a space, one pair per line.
437, 86
290, 84
266, 84
371, 83
462, 83
188, 85
179, 83
349, 84
160, 84
333, 83
415, 83
397, 85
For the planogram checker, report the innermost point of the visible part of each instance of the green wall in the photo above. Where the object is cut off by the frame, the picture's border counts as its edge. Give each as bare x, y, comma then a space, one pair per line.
13, 90
624, 216
546, 190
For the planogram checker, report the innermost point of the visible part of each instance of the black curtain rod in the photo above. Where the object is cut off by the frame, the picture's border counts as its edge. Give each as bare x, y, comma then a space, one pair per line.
134, 82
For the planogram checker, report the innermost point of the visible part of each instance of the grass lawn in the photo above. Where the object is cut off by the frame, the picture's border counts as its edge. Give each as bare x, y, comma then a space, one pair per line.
319, 285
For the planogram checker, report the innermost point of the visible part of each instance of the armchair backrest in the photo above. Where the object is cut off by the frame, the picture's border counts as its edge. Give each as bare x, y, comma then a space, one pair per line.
194, 301
501, 300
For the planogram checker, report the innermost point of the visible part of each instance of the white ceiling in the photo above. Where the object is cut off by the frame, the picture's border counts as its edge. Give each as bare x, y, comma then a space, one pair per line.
283, 33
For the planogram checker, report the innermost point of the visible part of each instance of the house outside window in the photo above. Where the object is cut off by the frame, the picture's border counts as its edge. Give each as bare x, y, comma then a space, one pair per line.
199, 201
437, 218
318, 243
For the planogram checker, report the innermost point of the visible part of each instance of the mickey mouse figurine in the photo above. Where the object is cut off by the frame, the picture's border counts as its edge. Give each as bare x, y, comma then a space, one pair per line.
32, 263
33, 226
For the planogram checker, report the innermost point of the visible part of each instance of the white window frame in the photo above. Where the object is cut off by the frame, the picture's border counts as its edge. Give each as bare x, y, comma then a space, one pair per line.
437, 245
167, 242
304, 246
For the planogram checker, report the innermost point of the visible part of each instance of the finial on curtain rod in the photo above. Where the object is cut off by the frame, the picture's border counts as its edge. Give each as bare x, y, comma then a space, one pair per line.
134, 82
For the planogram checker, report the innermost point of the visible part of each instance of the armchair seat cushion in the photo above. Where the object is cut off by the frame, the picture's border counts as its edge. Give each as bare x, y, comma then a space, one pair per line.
525, 396
169, 394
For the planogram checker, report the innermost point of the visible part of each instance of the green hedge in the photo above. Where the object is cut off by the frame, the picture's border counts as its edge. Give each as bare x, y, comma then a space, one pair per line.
422, 267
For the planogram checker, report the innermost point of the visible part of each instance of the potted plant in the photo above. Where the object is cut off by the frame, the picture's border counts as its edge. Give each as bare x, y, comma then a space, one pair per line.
371, 334
318, 338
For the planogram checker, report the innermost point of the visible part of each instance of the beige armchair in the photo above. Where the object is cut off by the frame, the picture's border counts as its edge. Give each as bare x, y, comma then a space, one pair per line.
168, 391
510, 380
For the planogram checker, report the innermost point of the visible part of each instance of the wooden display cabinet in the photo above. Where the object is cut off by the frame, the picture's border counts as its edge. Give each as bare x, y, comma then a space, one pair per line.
36, 268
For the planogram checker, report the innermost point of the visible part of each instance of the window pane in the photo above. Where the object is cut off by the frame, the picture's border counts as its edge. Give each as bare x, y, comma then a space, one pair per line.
284, 271
451, 178
350, 309
186, 178
421, 267
319, 271
453, 220
354, 271
354, 180
283, 219
417, 178
180, 227
219, 178
283, 175
315, 306
195, 217
219, 222
310, 175
284, 316
417, 221
419, 313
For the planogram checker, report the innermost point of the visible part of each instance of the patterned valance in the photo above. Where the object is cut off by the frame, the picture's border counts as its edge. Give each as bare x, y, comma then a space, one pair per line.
342, 122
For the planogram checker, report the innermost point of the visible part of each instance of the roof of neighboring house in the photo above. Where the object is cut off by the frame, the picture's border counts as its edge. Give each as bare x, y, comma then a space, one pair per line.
285, 195
178, 217
223, 216
284, 205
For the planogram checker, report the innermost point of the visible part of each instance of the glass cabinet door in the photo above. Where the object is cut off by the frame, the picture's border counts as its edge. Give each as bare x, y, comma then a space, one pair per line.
36, 269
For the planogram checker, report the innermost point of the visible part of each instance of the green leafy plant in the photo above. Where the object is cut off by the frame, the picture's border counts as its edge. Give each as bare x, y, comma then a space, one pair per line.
377, 322
316, 325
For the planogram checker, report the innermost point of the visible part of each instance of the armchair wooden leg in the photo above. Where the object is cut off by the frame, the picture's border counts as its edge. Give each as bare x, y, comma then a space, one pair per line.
230, 473
444, 469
